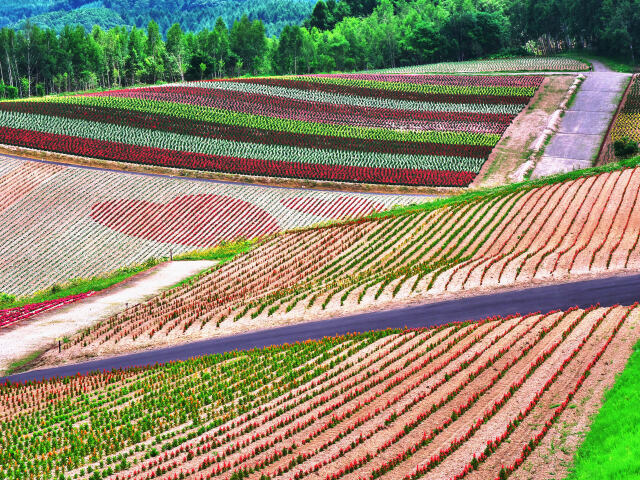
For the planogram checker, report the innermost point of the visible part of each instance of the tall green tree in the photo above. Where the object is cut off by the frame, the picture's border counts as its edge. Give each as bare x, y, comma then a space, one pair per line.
177, 51
248, 43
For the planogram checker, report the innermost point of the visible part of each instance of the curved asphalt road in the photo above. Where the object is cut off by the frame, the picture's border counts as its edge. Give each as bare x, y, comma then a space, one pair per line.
623, 290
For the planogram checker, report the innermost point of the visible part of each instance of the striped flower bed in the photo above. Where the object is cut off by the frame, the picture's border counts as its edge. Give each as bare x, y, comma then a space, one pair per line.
10, 316
61, 222
463, 400
518, 64
627, 123
389, 129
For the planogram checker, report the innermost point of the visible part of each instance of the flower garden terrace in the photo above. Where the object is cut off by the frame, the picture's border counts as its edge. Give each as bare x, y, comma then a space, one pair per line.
420, 130
553, 232
63, 222
464, 400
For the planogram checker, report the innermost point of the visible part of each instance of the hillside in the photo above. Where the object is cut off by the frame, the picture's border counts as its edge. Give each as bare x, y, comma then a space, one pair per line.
383, 129
80, 222
465, 400
193, 15
555, 232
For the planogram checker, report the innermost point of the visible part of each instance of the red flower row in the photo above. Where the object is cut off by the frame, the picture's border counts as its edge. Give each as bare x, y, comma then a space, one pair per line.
245, 166
304, 110
234, 133
392, 94
12, 315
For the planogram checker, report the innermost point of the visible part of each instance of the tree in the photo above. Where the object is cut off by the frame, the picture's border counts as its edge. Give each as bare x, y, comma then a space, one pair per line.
289, 49
320, 18
133, 64
176, 49
221, 50
248, 43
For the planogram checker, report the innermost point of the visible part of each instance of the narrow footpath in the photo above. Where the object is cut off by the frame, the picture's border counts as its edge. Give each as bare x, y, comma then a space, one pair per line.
585, 123
40, 332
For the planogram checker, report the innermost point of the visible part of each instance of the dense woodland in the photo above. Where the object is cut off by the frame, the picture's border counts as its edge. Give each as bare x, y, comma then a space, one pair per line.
192, 15
345, 35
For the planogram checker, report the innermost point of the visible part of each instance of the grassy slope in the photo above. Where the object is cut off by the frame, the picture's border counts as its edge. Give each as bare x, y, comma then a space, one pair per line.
610, 448
222, 253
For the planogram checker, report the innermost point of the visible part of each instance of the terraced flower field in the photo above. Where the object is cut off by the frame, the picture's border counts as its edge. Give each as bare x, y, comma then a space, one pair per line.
522, 64
388, 129
61, 222
627, 123
473, 400
562, 230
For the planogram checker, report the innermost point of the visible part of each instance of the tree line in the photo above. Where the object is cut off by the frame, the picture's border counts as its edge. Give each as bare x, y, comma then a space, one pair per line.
343, 35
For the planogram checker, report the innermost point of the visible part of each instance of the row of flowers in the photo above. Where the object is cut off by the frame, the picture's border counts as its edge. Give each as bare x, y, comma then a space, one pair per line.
10, 316
477, 242
246, 166
53, 209
314, 111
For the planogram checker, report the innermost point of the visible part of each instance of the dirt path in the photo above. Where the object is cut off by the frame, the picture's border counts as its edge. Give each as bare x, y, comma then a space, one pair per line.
39, 332
581, 131
513, 149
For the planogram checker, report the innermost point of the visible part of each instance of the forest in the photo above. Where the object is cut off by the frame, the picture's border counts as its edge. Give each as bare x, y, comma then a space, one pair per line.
192, 15
343, 35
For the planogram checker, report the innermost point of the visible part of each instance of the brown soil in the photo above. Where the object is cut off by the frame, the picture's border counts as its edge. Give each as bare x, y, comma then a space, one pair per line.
567, 264
607, 239
514, 147
509, 451
516, 403
471, 273
549, 238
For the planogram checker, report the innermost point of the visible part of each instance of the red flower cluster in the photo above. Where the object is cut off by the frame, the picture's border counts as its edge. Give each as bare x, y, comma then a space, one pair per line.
12, 315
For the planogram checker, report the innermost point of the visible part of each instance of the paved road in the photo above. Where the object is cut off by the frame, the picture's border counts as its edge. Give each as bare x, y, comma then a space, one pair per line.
585, 123
624, 290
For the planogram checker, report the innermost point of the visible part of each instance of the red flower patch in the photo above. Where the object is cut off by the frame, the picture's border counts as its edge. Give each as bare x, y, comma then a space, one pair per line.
194, 220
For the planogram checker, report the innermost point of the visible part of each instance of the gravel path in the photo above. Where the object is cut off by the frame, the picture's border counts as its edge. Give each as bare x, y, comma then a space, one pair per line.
39, 332
584, 124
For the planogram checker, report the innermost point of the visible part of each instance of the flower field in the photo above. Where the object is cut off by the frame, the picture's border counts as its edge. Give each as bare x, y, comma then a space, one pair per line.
9, 316
554, 232
627, 123
522, 64
464, 400
61, 222
433, 130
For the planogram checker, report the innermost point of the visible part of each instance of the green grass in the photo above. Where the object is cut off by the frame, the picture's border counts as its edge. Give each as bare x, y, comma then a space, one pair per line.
222, 253
572, 99
78, 285
611, 449
19, 365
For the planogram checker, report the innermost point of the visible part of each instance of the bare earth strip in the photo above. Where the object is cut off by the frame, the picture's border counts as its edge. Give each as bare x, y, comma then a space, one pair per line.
39, 332
555, 453
513, 148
